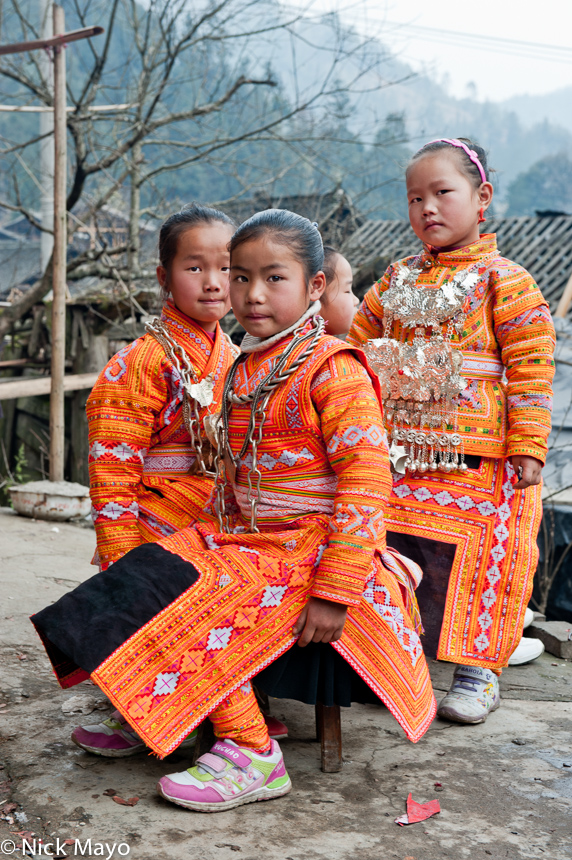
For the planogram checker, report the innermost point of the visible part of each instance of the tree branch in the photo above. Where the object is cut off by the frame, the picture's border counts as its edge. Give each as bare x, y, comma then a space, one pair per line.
28, 300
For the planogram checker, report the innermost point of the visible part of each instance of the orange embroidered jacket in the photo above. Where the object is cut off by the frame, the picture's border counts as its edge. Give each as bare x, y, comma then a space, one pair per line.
140, 451
507, 344
323, 454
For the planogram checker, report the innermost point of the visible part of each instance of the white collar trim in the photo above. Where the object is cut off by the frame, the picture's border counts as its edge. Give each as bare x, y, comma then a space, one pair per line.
257, 344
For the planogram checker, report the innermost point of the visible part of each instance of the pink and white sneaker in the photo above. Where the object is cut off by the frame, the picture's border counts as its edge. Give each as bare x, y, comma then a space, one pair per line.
114, 738
226, 777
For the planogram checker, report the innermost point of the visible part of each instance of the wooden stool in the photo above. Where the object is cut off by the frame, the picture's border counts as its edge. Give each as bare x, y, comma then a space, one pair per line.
328, 732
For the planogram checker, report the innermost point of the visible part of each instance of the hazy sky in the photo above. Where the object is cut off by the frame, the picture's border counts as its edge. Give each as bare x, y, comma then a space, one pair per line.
498, 70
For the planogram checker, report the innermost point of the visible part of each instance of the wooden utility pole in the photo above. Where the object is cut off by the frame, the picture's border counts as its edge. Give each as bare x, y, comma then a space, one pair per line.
57, 43
47, 142
57, 400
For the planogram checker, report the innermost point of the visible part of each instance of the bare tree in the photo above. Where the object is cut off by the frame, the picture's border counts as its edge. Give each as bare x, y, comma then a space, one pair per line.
196, 87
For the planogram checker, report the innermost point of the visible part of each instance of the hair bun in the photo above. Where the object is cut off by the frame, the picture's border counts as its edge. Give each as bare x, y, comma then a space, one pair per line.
315, 224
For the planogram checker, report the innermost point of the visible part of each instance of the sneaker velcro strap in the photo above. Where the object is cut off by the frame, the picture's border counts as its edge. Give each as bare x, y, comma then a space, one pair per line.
231, 754
214, 763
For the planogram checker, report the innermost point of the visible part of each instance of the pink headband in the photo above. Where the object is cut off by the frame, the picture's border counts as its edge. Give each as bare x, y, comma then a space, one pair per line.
460, 145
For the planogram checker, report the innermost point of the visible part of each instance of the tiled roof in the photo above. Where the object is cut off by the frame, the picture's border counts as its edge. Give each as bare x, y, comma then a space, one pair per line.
542, 244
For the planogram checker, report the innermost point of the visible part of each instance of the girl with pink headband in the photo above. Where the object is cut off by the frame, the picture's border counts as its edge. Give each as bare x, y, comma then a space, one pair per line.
463, 341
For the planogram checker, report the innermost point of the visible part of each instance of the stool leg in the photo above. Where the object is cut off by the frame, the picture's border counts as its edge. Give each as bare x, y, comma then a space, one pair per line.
329, 731
205, 740
262, 699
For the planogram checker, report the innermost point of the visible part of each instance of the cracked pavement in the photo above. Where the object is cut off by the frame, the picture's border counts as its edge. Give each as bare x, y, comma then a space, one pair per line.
506, 785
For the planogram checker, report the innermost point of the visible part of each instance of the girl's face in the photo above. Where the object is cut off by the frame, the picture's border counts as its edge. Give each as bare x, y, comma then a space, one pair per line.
341, 305
268, 287
443, 204
199, 274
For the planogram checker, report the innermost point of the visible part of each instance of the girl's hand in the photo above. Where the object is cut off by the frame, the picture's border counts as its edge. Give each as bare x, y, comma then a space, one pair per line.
320, 621
531, 471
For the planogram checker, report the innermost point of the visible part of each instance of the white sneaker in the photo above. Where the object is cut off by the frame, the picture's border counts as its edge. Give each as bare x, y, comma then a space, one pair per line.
526, 651
528, 618
473, 695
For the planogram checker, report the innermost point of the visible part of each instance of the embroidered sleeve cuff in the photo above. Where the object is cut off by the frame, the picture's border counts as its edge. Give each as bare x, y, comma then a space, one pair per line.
333, 593
527, 446
113, 544
342, 572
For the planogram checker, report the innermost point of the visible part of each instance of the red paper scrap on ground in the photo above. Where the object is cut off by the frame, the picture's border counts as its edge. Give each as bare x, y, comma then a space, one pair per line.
418, 811
131, 802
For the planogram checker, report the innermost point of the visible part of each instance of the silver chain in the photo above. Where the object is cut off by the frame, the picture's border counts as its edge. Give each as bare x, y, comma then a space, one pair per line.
180, 360
259, 398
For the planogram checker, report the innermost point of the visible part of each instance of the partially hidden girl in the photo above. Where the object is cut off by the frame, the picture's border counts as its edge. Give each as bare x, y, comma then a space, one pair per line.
338, 302
298, 553
147, 444
463, 341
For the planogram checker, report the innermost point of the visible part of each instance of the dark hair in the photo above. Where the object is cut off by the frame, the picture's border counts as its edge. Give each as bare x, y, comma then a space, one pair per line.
329, 269
287, 228
191, 215
470, 169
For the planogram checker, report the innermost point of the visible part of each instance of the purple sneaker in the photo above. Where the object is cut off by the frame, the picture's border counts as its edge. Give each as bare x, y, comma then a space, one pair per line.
226, 777
114, 738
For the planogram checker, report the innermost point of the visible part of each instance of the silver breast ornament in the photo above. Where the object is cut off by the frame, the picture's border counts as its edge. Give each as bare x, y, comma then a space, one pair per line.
420, 377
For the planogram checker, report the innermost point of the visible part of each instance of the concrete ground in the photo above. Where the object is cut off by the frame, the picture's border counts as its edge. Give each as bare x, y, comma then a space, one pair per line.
505, 786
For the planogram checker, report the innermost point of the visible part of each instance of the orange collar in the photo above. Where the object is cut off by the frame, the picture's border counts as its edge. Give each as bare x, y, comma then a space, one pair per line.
487, 244
187, 330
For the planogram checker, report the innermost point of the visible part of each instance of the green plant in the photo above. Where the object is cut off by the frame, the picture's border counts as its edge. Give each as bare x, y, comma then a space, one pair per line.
20, 465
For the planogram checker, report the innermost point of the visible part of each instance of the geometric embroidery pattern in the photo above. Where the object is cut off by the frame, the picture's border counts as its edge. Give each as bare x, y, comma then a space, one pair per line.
494, 529
141, 453
239, 614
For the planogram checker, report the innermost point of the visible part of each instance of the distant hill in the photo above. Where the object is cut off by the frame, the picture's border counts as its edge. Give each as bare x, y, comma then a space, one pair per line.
556, 107
517, 133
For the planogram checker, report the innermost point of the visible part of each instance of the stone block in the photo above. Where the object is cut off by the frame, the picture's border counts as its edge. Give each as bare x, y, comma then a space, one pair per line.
556, 635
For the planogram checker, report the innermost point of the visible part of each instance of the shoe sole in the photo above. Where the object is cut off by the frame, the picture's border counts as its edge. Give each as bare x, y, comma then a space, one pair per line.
279, 737
523, 662
124, 753
262, 793
450, 714
109, 753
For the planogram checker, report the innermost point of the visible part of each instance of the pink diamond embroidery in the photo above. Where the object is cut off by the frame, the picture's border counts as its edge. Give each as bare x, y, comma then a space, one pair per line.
165, 683
486, 509
489, 598
485, 620
501, 532
504, 511
402, 491
375, 434
443, 498
498, 553
273, 595
482, 642
219, 638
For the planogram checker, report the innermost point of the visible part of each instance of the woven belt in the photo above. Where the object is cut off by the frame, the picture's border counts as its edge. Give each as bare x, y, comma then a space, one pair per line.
481, 365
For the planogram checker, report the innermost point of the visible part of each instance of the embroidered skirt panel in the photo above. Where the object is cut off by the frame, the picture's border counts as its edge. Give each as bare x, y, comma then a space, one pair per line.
233, 619
492, 530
